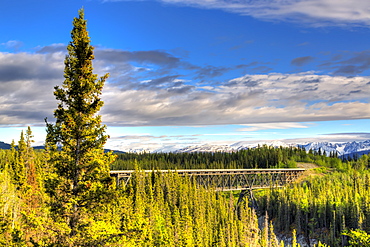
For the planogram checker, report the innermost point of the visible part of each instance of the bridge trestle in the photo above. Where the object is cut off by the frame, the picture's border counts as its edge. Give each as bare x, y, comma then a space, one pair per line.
227, 179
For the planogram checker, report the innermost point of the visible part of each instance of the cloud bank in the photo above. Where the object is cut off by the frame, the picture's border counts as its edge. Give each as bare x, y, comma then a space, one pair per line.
249, 99
146, 88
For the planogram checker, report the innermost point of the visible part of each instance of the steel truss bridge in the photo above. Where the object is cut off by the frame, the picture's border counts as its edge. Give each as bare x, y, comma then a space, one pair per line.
227, 179
244, 180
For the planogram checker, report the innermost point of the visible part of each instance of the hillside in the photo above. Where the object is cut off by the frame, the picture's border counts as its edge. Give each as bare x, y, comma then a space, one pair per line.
4, 145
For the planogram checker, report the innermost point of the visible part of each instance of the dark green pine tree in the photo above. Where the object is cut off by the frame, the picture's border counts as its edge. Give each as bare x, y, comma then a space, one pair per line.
82, 183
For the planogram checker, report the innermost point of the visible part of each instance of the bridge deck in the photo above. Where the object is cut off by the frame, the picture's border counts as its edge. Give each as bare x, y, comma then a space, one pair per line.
228, 179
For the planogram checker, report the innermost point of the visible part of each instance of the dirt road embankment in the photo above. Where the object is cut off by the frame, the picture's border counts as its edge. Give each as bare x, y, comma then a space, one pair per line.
307, 165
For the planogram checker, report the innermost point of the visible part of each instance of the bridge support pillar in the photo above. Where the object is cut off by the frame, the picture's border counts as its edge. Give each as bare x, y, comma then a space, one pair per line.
252, 202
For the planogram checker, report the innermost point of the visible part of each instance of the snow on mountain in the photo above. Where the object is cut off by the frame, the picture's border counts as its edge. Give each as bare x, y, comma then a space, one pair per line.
342, 148
140, 150
231, 148
245, 145
207, 148
324, 146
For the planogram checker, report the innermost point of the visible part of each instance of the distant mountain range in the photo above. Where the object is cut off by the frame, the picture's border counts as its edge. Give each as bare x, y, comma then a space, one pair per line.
4, 145
344, 149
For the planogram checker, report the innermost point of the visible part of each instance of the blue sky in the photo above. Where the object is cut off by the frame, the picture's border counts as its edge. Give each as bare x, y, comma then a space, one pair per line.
191, 72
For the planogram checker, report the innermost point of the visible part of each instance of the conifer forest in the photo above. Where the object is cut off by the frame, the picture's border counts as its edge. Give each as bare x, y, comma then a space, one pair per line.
63, 195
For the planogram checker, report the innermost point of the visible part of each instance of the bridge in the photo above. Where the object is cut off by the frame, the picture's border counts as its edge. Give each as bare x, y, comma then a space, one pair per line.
244, 180
227, 179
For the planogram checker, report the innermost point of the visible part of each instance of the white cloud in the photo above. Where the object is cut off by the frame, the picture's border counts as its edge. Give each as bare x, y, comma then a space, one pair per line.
264, 126
27, 81
26, 87
317, 12
249, 100
13, 44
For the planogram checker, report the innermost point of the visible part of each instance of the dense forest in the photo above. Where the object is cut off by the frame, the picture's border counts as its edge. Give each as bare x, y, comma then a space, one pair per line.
64, 195
330, 204
260, 157
155, 210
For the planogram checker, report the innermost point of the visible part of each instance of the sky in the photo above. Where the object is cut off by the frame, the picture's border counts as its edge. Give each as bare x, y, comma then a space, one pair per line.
195, 72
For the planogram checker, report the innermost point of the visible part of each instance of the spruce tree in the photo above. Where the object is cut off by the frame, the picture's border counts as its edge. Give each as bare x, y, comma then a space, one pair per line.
82, 182
17, 164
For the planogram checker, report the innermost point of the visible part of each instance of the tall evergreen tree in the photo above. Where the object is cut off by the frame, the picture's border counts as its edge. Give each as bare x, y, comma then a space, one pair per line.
81, 183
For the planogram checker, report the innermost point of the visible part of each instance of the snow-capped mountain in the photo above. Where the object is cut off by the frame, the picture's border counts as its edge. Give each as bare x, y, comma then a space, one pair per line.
346, 149
230, 148
207, 148
342, 148
245, 145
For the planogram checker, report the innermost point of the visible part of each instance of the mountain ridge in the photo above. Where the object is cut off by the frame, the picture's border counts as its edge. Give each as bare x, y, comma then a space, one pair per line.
4, 145
344, 149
